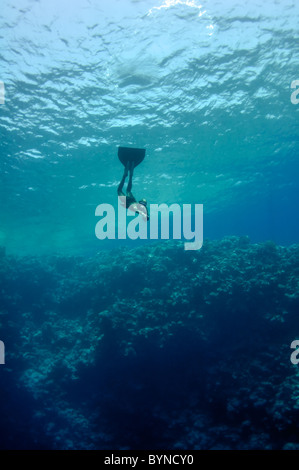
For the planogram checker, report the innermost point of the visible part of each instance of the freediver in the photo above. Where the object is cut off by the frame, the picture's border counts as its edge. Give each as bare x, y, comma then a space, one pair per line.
130, 158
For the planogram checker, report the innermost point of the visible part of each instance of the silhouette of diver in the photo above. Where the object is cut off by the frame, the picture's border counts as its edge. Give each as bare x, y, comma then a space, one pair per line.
130, 202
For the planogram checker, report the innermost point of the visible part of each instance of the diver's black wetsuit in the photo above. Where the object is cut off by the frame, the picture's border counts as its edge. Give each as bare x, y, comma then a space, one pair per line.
130, 199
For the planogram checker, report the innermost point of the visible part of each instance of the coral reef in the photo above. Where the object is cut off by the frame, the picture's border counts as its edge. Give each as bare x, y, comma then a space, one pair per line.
152, 348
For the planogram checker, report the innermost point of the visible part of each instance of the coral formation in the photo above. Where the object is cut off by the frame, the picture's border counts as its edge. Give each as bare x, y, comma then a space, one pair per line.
151, 348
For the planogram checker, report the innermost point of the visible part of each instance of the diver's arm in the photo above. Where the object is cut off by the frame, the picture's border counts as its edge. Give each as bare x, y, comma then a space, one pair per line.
145, 216
143, 212
134, 206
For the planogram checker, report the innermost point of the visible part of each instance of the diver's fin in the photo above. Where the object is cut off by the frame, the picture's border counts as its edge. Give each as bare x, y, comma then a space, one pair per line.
126, 154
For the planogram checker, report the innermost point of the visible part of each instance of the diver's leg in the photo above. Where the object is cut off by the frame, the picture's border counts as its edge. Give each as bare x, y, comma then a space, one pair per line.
122, 182
130, 183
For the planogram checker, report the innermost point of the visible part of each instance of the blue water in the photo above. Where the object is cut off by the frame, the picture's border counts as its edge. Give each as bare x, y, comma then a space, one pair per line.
205, 88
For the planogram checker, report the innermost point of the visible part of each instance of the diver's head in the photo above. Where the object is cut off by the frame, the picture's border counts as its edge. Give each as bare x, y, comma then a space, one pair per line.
143, 202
